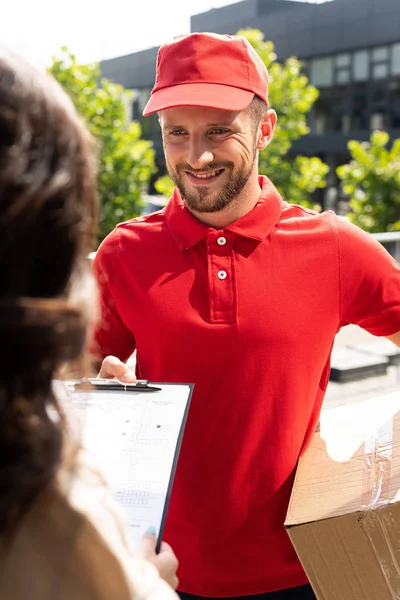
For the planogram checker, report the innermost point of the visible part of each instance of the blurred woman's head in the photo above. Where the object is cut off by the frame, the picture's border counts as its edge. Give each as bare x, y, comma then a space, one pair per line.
48, 220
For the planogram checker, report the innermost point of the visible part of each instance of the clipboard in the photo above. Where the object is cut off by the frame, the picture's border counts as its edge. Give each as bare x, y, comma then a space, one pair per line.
134, 432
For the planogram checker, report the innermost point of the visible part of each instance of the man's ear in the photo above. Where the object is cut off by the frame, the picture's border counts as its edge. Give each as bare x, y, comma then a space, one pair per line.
266, 129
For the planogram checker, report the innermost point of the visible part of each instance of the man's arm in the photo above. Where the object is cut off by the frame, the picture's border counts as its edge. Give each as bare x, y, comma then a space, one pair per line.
370, 283
110, 335
395, 338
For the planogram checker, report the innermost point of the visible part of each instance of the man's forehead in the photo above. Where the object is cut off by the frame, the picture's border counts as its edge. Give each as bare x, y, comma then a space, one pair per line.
201, 114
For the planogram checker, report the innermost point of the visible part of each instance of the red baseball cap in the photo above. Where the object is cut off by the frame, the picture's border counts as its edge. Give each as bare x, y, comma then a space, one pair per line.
210, 70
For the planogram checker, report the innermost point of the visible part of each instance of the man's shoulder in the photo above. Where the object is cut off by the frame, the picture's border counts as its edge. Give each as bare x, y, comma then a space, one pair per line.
151, 223
132, 236
137, 228
328, 226
300, 218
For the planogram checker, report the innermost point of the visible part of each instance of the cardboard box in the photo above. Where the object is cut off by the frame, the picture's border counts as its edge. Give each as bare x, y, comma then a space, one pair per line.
344, 514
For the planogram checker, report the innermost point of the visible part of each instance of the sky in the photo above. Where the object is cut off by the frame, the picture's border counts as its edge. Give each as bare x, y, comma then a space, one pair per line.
93, 29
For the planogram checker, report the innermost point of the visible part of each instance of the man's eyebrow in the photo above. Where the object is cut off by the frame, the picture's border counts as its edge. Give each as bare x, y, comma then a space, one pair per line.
173, 127
216, 124
220, 124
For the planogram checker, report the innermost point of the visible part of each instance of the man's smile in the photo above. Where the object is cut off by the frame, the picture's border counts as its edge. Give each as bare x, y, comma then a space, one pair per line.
205, 177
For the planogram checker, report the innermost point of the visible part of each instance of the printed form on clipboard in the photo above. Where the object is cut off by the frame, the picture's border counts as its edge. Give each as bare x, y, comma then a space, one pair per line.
134, 432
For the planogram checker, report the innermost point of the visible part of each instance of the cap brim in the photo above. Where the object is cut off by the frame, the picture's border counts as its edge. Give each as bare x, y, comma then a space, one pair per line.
209, 95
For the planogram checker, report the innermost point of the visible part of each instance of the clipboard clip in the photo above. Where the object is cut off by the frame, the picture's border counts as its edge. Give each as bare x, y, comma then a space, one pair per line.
113, 385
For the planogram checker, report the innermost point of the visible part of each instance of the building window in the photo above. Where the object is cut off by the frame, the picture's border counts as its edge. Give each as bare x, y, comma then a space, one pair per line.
140, 98
343, 76
343, 60
395, 59
136, 114
377, 121
304, 67
380, 71
322, 114
361, 65
343, 68
360, 107
380, 62
380, 54
321, 72
394, 103
343, 123
378, 106
341, 110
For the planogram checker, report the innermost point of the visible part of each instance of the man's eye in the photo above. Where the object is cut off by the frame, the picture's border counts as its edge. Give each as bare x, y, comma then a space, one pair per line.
177, 132
218, 131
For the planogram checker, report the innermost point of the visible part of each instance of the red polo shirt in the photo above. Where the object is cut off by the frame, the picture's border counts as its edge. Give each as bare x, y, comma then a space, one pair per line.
248, 313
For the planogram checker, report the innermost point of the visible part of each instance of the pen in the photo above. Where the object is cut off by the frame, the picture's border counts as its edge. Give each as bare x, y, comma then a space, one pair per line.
141, 385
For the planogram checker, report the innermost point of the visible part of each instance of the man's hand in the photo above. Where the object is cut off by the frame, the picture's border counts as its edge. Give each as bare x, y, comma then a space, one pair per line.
165, 562
113, 368
395, 338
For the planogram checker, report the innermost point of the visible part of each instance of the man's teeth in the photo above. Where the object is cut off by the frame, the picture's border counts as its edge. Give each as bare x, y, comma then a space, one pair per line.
206, 175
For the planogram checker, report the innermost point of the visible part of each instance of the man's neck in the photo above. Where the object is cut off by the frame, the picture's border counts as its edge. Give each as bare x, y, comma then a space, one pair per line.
237, 209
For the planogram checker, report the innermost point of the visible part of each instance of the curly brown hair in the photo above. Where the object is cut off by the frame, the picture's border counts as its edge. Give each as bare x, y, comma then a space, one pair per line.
48, 224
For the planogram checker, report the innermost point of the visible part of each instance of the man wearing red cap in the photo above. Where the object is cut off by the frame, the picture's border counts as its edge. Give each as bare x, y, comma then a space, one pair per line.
234, 289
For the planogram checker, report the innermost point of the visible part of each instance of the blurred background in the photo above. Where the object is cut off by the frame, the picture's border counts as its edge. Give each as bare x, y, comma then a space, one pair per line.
334, 81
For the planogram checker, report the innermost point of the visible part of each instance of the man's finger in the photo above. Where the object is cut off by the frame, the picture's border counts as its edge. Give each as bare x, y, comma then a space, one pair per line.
112, 367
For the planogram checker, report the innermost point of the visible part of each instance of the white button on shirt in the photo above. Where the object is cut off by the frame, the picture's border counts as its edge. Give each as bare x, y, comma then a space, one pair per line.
222, 275
221, 241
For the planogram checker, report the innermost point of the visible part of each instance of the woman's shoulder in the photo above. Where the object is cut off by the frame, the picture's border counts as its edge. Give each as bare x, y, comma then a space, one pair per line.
73, 544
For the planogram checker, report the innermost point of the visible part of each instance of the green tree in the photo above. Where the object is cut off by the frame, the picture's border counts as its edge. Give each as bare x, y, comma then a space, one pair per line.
292, 97
126, 161
372, 181
164, 185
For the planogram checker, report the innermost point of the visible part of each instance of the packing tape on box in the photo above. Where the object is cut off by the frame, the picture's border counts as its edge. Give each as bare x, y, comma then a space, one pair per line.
377, 521
370, 425
382, 529
378, 459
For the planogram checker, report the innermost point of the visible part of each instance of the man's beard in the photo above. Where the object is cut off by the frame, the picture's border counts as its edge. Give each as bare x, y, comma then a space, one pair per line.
204, 201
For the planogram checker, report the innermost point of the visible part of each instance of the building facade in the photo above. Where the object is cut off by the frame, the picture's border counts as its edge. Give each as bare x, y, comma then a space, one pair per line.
350, 50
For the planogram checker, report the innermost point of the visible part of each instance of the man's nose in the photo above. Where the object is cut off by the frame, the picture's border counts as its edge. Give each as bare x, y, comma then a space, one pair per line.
200, 155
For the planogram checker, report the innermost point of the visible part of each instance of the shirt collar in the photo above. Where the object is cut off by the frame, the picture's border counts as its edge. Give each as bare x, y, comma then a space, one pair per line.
257, 224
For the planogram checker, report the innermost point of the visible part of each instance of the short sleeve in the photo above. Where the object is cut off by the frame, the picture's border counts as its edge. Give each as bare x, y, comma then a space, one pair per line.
369, 280
111, 336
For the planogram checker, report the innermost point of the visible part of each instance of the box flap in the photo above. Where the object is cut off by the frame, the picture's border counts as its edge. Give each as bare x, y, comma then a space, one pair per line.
352, 464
